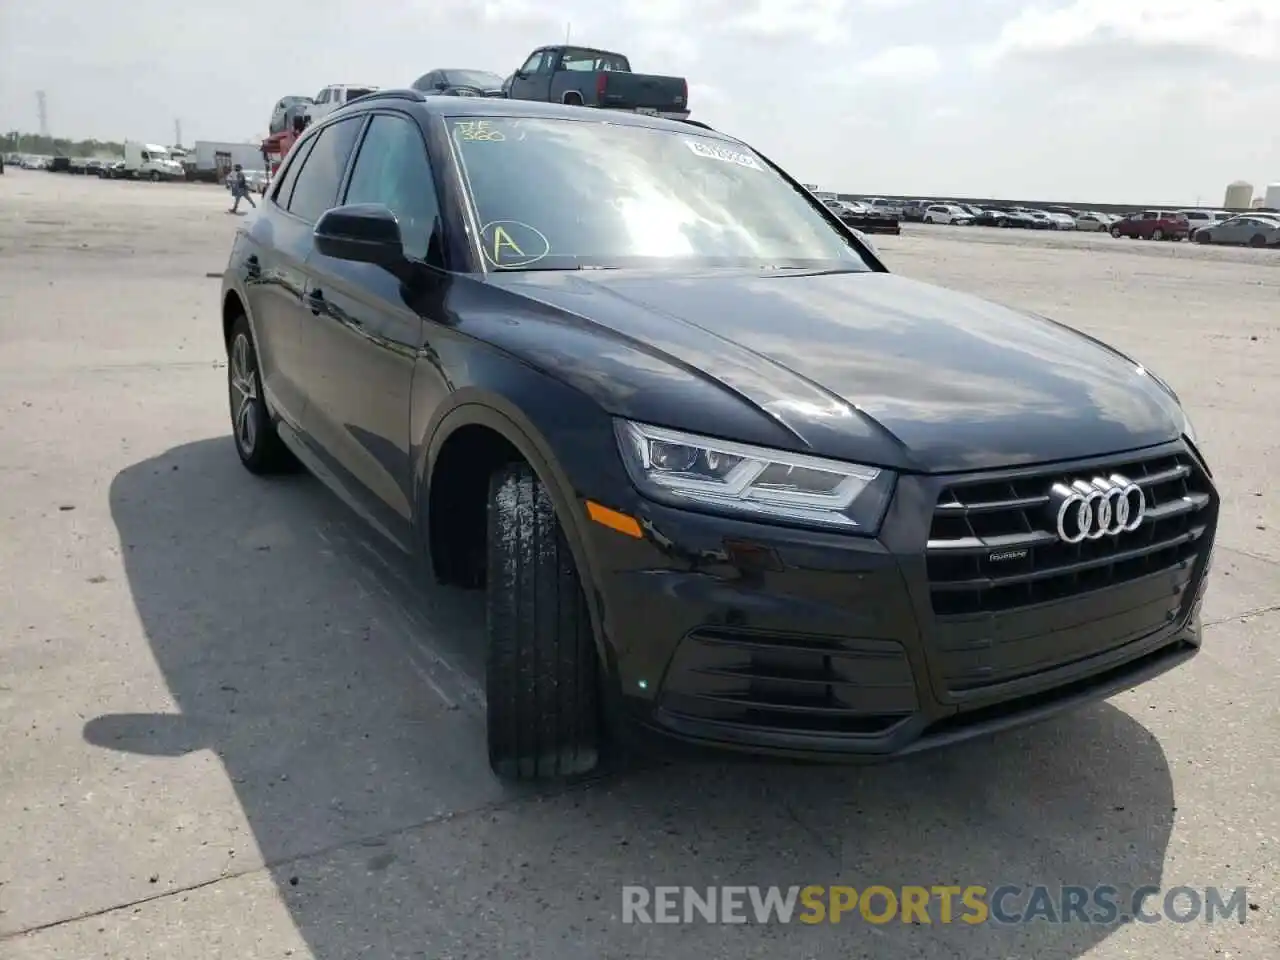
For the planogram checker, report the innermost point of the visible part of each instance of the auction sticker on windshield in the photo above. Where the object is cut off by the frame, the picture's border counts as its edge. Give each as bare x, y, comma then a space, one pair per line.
724, 154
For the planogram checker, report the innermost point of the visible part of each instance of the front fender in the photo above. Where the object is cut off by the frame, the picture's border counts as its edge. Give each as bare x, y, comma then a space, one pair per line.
566, 437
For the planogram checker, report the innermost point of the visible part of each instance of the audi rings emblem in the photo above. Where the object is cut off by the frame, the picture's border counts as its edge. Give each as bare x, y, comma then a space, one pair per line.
1097, 508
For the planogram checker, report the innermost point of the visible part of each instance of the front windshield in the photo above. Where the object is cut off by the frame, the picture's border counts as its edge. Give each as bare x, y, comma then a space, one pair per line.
473, 78
552, 194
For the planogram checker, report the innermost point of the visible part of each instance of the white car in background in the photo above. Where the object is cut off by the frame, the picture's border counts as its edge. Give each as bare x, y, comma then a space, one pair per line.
1092, 221
1061, 221
334, 96
947, 213
1201, 217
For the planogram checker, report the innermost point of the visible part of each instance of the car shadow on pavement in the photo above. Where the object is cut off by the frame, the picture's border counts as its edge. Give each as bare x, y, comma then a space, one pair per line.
341, 695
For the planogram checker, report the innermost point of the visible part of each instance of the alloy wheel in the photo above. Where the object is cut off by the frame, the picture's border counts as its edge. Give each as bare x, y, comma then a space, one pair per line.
244, 394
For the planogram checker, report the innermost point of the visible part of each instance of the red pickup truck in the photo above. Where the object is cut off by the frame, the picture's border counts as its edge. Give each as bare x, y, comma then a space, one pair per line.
1153, 225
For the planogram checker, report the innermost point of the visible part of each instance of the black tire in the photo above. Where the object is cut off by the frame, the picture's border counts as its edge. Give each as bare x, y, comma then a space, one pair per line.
1203, 236
541, 665
257, 443
1115, 232
573, 99
1257, 240
155, 177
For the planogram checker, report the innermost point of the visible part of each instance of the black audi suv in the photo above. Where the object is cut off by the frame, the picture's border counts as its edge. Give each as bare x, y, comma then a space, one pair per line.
721, 474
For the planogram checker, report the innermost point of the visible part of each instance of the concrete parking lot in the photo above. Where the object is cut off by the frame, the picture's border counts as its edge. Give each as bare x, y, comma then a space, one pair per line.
234, 726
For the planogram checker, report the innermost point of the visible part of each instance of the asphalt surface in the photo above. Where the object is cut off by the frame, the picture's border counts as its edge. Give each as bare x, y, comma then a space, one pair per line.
234, 726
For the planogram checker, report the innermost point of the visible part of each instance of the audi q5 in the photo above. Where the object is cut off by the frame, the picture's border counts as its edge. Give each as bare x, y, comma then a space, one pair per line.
721, 474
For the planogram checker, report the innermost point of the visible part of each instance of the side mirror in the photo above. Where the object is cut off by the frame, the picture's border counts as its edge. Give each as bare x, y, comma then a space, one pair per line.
520, 75
361, 233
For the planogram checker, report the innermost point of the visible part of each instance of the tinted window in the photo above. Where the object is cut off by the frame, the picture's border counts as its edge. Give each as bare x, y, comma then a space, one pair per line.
317, 187
557, 194
533, 63
392, 169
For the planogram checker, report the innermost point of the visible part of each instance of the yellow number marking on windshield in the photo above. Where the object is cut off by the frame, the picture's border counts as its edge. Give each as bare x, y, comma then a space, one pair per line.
471, 130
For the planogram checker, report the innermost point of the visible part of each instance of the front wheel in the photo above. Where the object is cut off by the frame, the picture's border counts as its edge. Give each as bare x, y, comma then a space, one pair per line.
541, 666
1203, 236
155, 177
1257, 240
1115, 232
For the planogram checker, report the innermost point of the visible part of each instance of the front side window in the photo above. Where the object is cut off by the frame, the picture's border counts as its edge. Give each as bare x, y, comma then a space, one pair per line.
392, 169
316, 188
563, 194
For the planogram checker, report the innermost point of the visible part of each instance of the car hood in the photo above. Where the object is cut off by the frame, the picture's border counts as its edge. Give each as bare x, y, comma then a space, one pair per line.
860, 366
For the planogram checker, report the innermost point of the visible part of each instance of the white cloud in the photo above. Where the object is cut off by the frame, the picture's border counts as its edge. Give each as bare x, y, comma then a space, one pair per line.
1249, 28
910, 62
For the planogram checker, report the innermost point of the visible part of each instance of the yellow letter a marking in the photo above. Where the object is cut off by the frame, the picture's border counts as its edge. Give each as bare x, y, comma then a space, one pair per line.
502, 241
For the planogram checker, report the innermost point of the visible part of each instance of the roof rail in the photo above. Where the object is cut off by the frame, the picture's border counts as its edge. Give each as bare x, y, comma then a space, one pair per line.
698, 123
404, 94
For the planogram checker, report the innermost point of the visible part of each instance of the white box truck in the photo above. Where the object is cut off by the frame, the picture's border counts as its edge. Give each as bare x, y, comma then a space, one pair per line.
150, 161
211, 160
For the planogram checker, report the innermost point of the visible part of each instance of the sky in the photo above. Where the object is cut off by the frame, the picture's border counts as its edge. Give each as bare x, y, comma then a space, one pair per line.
1125, 101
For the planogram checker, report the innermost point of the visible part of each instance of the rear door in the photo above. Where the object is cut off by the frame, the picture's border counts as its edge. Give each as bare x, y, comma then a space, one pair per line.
367, 327
273, 286
301, 197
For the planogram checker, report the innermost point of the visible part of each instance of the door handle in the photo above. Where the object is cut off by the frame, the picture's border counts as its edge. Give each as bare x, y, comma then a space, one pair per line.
316, 301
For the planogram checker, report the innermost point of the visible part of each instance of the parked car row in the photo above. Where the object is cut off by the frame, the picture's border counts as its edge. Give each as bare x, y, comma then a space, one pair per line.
1246, 230
1257, 229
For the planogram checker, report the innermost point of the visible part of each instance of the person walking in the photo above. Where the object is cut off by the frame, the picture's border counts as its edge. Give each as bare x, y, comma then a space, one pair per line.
239, 189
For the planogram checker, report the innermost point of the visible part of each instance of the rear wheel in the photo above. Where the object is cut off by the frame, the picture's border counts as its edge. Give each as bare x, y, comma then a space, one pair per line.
541, 669
260, 448
1157, 234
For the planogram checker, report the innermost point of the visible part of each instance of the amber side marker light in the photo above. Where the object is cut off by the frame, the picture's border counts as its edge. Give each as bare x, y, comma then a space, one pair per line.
614, 520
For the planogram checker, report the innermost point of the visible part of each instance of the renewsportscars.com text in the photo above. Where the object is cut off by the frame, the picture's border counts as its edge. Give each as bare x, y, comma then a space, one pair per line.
974, 904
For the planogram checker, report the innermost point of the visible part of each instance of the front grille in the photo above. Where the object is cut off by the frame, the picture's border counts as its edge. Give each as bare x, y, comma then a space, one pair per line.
792, 684
993, 544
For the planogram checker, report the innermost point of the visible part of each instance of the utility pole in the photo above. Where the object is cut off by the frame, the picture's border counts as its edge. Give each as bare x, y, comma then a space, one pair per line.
568, 28
177, 133
42, 111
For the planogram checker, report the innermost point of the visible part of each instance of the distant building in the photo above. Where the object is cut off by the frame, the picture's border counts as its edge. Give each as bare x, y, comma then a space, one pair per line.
1239, 196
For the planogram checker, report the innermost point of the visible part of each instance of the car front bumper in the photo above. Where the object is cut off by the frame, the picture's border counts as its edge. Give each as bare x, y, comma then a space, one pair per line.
773, 640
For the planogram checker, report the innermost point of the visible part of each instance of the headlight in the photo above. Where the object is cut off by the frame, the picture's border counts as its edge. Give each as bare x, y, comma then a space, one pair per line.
688, 470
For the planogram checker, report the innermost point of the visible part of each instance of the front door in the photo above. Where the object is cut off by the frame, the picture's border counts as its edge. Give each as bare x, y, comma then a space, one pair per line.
368, 327
532, 81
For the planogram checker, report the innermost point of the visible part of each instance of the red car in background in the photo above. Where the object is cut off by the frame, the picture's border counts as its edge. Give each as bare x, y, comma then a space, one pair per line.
1153, 225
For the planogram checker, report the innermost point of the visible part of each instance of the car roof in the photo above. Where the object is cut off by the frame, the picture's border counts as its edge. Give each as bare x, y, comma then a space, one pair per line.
444, 106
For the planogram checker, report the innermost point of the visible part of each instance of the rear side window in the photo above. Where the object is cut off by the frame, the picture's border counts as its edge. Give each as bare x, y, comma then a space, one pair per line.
294, 163
316, 189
